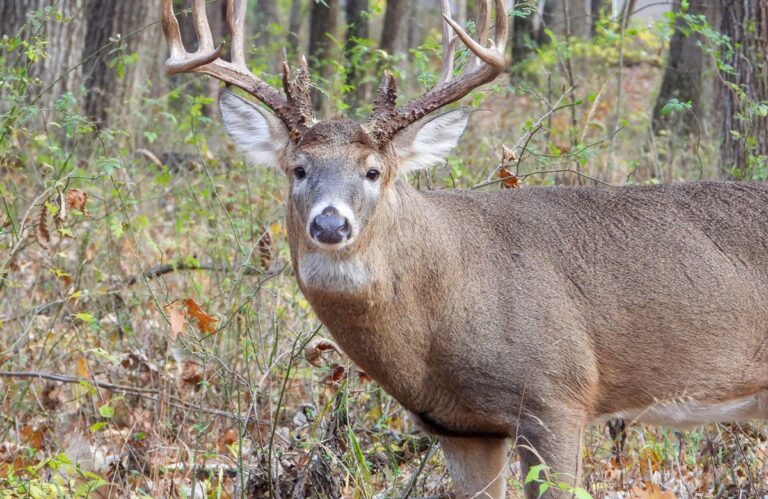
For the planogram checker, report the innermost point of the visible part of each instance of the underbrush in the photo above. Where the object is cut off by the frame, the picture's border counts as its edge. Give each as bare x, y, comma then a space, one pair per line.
154, 342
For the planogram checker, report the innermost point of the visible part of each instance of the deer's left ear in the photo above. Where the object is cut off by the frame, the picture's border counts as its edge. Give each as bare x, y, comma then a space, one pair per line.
428, 141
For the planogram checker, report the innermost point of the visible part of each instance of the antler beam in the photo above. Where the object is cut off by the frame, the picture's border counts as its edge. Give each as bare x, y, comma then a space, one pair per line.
294, 107
485, 66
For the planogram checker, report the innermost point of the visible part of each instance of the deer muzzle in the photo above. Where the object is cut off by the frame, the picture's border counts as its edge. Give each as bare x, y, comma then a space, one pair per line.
329, 227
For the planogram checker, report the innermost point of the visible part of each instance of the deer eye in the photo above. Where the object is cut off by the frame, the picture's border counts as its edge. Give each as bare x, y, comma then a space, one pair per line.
373, 175
299, 172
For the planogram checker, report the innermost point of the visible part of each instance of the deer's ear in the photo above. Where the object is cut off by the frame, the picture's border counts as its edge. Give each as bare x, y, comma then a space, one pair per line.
428, 141
258, 133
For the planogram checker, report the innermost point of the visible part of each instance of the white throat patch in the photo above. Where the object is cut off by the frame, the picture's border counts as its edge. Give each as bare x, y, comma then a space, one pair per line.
322, 270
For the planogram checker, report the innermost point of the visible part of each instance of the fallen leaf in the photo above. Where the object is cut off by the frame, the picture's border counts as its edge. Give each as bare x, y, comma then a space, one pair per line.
177, 320
228, 438
192, 373
204, 321
81, 367
42, 234
508, 179
316, 347
77, 199
33, 435
650, 491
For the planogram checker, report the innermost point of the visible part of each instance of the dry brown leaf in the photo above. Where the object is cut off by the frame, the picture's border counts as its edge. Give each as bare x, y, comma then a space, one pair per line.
177, 319
204, 321
650, 490
42, 234
192, 373
33, 435
362, 375
265, 250
81, 367
335, 377
62, 213
77, 199
315, 348
228, 438
507, 155
508, 179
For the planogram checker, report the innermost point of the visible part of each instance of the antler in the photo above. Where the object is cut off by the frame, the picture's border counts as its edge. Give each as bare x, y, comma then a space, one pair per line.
485, 66
294, 107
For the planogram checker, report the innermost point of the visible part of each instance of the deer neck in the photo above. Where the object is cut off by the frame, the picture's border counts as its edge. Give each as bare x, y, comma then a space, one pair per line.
365, 295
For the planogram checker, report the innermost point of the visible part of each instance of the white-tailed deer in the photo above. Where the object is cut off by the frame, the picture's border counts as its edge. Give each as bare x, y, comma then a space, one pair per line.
518, 315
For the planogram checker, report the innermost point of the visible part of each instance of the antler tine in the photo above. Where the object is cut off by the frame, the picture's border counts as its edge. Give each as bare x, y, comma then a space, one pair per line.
235, 22
180, 60
202, 29
294, 108
383, 126
483, 21
449, 47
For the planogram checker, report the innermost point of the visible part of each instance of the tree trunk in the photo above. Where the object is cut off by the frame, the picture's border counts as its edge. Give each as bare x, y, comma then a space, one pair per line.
744, 148
599, 9
682, 78
64, 46
294, 27
114, 81
357, 28
392, 33
266, 15
525, 32
322, 23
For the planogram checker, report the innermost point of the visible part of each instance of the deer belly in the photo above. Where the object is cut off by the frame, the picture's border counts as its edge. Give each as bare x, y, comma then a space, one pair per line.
683, 414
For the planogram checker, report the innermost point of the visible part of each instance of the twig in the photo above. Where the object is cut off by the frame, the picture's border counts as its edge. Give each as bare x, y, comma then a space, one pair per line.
523, 141
142, 392
63, 378
160, 270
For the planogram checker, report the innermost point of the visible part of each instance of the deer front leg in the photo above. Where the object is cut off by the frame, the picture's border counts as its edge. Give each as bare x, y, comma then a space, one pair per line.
554, 442
477, 466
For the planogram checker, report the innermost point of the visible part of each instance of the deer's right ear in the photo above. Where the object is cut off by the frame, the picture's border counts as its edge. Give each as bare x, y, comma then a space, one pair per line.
258, 133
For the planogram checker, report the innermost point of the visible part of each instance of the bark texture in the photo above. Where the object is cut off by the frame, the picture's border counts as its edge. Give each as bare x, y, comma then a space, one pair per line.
744, 148
357, 28
322, 23
393, 32
115, 29
682, 77
64, 37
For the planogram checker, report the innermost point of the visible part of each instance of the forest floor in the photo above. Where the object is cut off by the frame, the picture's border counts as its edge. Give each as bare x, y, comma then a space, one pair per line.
153, 336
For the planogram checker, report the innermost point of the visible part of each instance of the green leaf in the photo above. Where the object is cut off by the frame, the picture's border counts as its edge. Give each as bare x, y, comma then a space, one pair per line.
106, 411
85, 317
97, 426
533, 473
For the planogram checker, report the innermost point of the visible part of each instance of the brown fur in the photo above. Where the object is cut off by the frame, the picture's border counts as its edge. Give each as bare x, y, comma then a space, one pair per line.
529, 313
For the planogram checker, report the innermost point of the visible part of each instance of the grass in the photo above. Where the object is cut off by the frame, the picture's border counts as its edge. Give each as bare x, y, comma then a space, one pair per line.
133, 390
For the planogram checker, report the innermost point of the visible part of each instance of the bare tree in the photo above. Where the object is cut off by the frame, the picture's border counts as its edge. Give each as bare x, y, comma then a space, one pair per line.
682, 75
322, 23
394, 21
60, 70
294, 26
744, 148
357, 28
115, 31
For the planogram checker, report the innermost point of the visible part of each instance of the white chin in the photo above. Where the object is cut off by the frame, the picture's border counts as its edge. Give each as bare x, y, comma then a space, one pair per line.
332, 247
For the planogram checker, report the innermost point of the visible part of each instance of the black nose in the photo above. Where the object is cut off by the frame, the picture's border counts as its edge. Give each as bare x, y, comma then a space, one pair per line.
329, 227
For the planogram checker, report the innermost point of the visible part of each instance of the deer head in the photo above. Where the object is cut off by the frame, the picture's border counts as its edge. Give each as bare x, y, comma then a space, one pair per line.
340, 171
